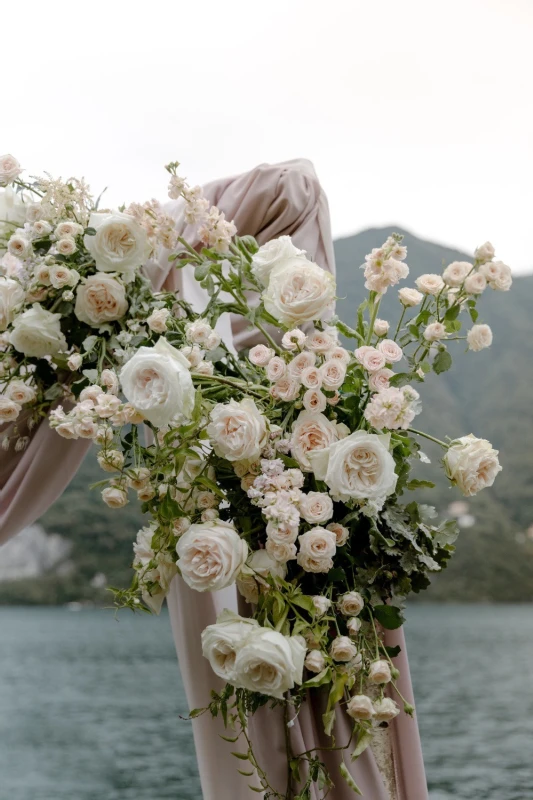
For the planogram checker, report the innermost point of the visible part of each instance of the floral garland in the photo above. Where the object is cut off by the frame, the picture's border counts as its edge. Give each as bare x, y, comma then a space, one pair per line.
284, 470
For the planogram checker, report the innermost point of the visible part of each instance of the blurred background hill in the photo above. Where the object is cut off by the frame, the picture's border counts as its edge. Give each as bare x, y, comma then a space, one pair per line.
487, 393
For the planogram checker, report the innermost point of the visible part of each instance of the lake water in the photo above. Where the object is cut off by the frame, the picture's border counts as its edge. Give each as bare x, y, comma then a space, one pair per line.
89, 706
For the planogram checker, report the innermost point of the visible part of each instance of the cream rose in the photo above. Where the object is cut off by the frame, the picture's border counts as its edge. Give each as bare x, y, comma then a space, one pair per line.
272, 254
434, 332
385, 710
475, 283
410, 297
211, 555
100, 299
314, 400
392, 351
379, 672
456, 272
381, 327
479, 337
353, 625
300, 363
311, 431
317, 548
333, 373
119, 245
298, 291
484, 252
340, 531
260, 355
315, 661
471, 464
158, 383
20, 392
11, 298
430, 283
238, 430
316, 507
157, 321
114, 497
286, 389
370, 358
221, 641
358, 467
351, 604
9, 169
342, 649
360, 707
380, 380
321, 604
269, 662
9, 410
37, 333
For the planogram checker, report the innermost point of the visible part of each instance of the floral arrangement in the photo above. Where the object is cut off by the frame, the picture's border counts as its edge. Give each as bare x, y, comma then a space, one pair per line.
73, 297
285, 469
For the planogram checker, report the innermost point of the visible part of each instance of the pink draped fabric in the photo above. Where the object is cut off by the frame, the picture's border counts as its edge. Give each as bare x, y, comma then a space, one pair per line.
269, 201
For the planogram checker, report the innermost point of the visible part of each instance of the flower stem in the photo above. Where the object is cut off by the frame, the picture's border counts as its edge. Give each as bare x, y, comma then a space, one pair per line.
427, 436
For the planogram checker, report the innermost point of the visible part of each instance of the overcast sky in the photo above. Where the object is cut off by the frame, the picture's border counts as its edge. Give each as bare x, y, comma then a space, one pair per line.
413, 112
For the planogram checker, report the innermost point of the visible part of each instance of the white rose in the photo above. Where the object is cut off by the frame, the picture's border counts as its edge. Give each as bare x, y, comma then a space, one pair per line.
385, 710
275, 368
19, 246
205, 368
66, 246
269, 662
381, 327
60, 276
237, 430
314, 400
157, 381
270, 255
157, 321
211, 555
120, 244
333, 373
479, 337
360, 707
315, 661
114, 497
100, 299
9, 169
20, 392
293, 340
37, 333
68, 229
316, 507
300, 363
456, 272
379, 672
221, 641
472, 464
430, 283
475, 283
260, 355
281, 551
485, 252
410, 297
434, 332
41, 228
110, 460
286, 389
317, 548
370, 358
11, 298
298, 291
342, 649
9, 410
321, 604
380, 380
12, 209
392, 351
138, 477
341, 533
353, 625
497, 274
351, 604
358, 467
311, 431
198, 332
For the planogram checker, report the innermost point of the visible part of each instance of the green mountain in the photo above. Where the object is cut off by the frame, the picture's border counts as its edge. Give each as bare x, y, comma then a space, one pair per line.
486, 393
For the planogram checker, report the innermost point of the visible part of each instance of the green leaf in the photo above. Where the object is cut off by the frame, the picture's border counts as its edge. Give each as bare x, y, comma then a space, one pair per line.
318, 680
453, 312
389, 616
413, 330
255, 789
393, 651
231, 739
362, 743
442, 362
196, 712
202, 270
304, 601
211, 485
349, 780
473, 314
416, 484
242, 756
400, 379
